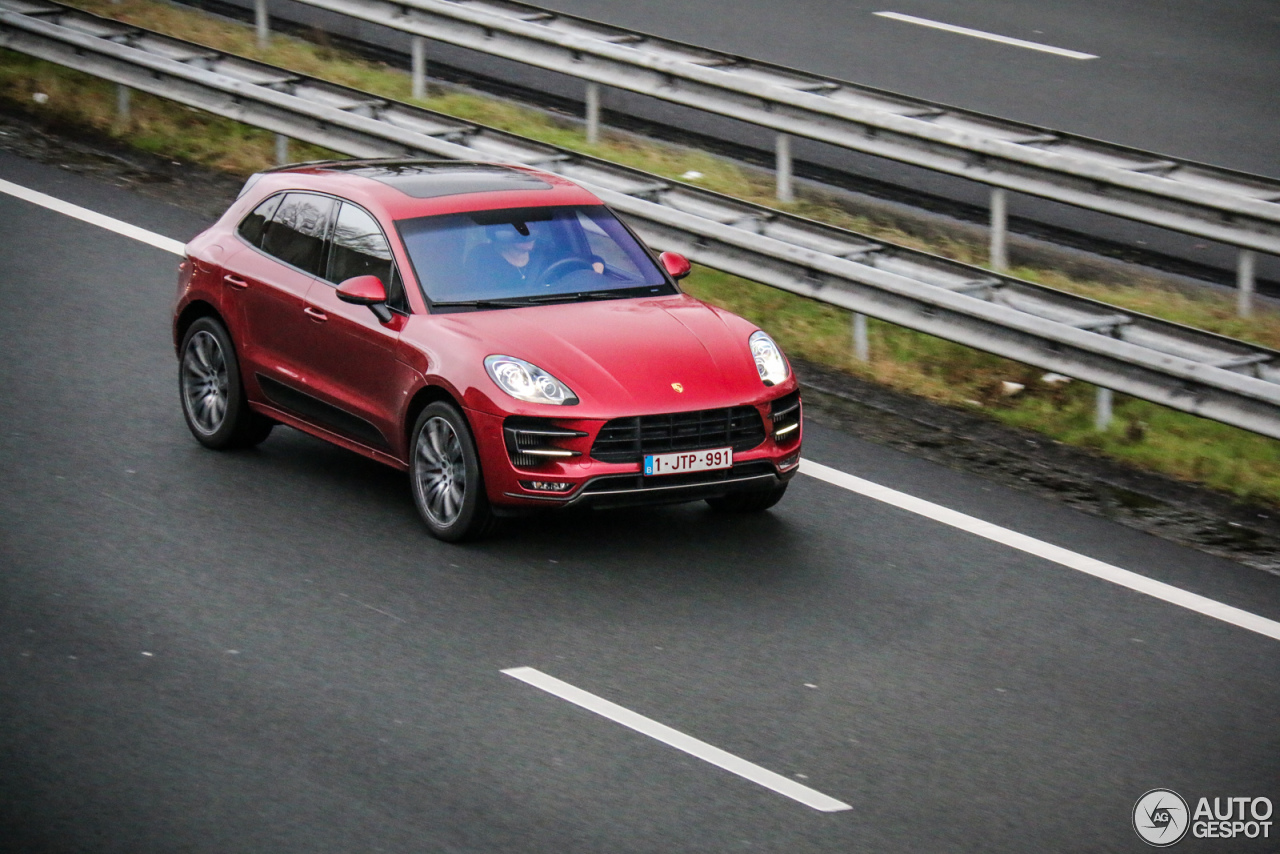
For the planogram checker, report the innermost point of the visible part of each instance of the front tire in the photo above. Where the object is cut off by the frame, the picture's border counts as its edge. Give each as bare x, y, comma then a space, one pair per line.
754, 501
213, 399
444, 472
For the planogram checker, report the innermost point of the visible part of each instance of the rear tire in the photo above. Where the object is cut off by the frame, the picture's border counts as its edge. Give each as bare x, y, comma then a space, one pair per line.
754, 501
444, 473
213, 399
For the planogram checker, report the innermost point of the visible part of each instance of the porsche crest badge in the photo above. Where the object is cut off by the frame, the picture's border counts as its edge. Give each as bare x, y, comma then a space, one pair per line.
678, 387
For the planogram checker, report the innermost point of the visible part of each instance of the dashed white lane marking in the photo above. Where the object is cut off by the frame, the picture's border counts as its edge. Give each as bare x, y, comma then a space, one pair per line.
1048, 551
991, 37
91, 217
1030, 545
678, 740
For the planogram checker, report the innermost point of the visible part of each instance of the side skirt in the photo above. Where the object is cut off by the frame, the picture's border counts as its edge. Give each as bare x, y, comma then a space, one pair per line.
325, 414
290, 420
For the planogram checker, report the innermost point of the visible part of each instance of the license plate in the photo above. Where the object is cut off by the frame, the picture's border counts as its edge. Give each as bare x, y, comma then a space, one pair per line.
687, 461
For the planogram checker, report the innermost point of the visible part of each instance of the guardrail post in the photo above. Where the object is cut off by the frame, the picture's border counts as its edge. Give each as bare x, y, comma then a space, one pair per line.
861, 347
593, 113
262, 23
1245, 269
123, 111
282, 149
1102, 409
999, 256
782, 156
419, 63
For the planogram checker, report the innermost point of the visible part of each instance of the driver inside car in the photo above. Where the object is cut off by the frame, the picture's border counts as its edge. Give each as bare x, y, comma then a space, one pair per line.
510, 260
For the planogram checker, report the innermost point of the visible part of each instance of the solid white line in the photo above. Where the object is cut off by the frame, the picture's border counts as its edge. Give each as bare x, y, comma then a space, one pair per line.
991, 37
92, 217
1039, 548
1030, 545
678, 740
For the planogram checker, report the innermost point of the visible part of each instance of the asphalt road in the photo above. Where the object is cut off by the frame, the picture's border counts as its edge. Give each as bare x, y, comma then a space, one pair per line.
265, 651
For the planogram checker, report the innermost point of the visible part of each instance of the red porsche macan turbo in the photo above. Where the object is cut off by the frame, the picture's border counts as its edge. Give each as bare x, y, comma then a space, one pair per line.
494, 330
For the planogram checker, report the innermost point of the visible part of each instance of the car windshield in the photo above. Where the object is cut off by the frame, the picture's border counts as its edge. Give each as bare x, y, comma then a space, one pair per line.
525, 256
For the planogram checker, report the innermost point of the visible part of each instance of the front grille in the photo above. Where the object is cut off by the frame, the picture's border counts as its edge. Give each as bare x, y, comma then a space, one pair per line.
627, 440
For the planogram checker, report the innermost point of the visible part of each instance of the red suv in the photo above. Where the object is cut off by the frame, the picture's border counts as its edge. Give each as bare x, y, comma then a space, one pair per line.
494, 330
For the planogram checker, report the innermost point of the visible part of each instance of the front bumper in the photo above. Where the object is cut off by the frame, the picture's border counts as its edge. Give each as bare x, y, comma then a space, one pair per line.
515, 481
630, 490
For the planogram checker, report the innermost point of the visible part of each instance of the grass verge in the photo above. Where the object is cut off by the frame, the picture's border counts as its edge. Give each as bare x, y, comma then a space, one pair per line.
1150, 436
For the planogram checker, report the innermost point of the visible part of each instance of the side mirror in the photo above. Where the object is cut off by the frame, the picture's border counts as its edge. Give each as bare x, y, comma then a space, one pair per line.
366, 290
676, 265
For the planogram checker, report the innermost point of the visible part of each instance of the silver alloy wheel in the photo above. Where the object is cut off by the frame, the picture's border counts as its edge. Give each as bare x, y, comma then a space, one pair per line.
205, 382
440, 472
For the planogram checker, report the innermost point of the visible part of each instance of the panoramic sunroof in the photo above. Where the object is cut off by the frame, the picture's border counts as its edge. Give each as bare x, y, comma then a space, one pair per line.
431, 180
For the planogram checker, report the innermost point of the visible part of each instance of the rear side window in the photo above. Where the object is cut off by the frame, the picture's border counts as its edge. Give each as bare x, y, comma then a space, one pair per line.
254, 225
296, 232
359, 248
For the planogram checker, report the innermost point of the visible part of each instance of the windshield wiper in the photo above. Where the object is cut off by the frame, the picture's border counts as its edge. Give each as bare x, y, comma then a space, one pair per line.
540, 299
620, 293
483, 303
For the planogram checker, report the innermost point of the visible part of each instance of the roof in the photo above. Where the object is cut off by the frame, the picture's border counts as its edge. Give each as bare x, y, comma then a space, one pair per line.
414, 187
429, 179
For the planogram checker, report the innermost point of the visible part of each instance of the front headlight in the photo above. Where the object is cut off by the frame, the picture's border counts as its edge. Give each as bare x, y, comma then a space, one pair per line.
769, 362
525, 381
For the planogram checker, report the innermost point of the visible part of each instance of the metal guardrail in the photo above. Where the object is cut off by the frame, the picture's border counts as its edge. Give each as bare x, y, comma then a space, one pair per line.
1187, 369
1232, 207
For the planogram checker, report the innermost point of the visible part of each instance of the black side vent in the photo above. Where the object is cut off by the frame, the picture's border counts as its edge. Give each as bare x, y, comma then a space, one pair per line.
784, 413
627, 440
534, 442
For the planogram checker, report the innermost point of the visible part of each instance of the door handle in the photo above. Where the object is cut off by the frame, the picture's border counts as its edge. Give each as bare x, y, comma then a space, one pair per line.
235, 281
316, 314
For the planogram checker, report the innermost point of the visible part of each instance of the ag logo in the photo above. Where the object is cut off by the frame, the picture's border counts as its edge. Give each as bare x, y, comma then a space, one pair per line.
1160, 817
678, 387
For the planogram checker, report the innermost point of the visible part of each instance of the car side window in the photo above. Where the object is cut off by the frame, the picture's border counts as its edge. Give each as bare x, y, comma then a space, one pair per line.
296, 233
254, 226
361, 249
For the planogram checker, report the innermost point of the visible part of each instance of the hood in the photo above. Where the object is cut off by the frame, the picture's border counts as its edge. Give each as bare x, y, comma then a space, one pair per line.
626, 355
